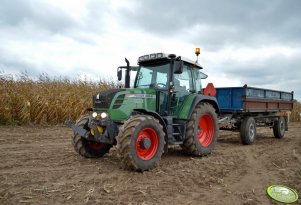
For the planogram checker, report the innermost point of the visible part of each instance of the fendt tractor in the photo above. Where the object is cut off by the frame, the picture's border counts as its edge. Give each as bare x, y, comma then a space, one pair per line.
165, 107
168, 106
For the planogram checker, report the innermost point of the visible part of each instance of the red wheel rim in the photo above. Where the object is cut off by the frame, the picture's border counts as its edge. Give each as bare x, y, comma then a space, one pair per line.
95, 145
152, 136
205, 130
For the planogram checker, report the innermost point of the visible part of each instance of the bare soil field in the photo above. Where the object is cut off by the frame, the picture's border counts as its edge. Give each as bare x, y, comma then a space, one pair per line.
39, 166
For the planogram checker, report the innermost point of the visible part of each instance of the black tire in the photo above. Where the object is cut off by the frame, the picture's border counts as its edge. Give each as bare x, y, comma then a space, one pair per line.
279, 127
248, 131
87, 148
136, 130
201, 130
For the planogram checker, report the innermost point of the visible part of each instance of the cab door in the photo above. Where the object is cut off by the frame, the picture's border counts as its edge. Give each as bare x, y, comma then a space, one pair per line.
184, 86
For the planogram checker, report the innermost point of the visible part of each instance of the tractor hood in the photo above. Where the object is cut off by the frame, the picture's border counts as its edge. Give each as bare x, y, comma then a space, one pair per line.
120, 103
103, 99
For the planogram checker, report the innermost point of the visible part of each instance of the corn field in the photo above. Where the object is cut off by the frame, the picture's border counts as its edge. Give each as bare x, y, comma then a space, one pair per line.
52, 101
45, 101
295, 116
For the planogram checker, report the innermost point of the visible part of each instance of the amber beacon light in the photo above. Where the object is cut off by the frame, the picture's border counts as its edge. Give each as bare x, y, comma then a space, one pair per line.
197, 51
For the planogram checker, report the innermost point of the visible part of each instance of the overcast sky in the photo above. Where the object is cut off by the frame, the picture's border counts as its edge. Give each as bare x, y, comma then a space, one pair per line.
252, 42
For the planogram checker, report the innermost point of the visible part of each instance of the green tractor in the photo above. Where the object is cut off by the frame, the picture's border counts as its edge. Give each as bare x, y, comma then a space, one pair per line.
166, 106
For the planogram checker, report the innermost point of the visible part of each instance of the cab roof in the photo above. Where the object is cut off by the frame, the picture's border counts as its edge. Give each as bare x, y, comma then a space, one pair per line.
157, 57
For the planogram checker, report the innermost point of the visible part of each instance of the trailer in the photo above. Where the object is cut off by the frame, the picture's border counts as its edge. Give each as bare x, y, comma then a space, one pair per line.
244, 108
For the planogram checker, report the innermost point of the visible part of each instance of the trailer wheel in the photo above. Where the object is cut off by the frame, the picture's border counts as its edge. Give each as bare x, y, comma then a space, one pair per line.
248, 131
140, 143
88, 148
279, 127
201, 130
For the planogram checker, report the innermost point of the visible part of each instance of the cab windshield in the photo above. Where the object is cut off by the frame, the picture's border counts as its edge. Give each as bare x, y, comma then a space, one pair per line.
155, 75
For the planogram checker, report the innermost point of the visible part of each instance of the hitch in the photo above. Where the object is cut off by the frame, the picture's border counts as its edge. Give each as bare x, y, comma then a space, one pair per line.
77, 130
97, 137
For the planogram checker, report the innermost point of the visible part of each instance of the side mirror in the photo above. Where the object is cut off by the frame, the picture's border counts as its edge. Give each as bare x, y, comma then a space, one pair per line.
178, 67
119, 74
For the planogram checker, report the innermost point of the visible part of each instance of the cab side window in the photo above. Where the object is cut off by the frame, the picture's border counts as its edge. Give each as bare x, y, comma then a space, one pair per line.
198, 79
183, 81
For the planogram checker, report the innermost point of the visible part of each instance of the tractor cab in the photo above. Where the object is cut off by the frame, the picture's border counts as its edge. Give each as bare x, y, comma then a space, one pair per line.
173, 78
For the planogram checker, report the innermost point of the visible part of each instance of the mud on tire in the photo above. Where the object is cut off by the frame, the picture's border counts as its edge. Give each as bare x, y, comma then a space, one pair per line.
87, 148
201, 130
140, 143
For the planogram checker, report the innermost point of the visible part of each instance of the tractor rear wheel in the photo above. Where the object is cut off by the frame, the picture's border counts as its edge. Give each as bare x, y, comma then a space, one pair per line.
88, 148
140, 143
279, 127
201, 130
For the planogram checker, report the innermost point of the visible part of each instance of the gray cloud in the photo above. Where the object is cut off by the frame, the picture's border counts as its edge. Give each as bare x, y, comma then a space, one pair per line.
45, 18
35, 22
40, 14
275, 72
221, 22
257, 73
9, 62
212, 24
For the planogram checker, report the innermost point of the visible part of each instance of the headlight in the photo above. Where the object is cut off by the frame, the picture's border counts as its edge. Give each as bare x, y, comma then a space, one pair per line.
94, 114
103, 115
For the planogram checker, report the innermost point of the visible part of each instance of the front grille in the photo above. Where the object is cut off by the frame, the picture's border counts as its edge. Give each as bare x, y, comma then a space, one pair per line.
101, 104
104, 99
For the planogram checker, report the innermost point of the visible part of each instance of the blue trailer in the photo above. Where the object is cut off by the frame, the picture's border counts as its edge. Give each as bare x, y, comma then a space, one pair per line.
245, 108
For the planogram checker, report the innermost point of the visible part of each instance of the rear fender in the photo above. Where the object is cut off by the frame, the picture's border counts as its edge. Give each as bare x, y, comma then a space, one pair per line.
206, 99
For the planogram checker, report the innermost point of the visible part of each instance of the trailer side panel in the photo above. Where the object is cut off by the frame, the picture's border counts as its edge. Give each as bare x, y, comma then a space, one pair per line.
250, 99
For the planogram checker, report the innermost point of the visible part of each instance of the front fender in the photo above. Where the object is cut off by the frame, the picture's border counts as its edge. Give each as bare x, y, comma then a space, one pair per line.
162, 122
155, 115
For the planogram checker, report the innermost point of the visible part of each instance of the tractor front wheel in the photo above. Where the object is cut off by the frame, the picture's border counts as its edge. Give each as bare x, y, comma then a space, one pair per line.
201, 130
140, 143
88, 148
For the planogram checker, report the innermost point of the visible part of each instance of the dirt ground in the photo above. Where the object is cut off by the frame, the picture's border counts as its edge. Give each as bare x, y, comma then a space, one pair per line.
39, 166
